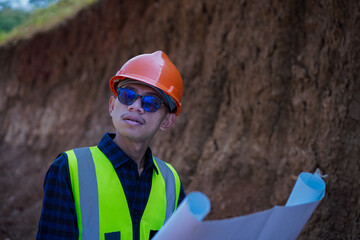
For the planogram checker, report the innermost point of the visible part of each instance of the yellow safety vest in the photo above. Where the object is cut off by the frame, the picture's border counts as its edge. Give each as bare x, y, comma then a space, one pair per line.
101, 206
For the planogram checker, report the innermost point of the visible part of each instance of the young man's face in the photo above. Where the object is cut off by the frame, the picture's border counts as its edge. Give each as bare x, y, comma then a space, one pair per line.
133, 122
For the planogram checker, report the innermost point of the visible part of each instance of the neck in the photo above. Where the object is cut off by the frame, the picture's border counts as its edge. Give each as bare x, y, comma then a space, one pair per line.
134, 149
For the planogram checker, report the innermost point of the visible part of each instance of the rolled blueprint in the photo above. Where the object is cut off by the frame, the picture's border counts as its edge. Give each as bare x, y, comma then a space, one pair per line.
308, 188
186, 218
279, 222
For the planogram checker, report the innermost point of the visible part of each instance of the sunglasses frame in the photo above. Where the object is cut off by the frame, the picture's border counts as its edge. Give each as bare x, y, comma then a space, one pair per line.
142, 99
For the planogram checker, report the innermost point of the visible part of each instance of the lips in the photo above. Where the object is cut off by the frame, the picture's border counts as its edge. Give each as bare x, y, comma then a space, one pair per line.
133, 120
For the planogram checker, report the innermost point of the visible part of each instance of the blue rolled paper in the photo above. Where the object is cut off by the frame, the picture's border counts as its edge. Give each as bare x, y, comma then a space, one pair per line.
308, 188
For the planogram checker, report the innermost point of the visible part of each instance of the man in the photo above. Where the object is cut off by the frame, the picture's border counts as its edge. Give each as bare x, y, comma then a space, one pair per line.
118, 189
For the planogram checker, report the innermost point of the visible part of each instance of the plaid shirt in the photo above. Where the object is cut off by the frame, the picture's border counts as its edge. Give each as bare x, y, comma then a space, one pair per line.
58, 216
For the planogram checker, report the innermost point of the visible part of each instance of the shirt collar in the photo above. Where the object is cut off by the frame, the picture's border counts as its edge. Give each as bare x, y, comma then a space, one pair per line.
118, 157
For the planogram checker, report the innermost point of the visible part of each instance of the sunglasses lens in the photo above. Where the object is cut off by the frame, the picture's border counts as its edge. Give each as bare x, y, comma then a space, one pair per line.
151, 103
126, 96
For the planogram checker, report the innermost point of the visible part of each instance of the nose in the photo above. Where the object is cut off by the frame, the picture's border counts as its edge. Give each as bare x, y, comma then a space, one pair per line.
137, 106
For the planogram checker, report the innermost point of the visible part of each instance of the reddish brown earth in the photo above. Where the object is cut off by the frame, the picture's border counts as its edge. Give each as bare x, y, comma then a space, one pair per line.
272, 89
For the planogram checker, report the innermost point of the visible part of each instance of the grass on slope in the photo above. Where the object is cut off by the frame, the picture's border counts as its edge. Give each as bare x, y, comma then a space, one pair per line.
45, 19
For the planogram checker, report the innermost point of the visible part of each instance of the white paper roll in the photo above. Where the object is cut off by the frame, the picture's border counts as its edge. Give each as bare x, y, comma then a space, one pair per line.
279, 222
186, 218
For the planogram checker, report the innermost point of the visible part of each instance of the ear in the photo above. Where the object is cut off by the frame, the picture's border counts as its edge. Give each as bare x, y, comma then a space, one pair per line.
111, 104
168, 121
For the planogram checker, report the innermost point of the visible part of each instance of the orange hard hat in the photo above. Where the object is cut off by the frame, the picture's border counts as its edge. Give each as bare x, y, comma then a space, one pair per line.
153, 69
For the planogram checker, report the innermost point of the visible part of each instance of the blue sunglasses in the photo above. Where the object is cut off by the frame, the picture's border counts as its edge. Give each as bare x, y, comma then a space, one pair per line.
148, 102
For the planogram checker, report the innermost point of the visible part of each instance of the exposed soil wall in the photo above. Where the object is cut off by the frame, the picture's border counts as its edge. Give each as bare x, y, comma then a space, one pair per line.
272, 89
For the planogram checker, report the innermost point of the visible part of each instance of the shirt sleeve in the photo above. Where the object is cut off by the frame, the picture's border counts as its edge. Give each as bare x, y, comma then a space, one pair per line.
58, 215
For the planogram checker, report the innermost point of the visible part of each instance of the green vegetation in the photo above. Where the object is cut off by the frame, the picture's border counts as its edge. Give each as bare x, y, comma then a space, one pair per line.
40, 19
10, 18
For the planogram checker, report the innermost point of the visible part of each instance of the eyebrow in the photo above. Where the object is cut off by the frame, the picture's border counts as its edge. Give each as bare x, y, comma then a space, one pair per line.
146, 93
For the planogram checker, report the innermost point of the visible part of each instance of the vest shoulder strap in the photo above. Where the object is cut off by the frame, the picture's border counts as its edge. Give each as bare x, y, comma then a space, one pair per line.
83, 173
172, 186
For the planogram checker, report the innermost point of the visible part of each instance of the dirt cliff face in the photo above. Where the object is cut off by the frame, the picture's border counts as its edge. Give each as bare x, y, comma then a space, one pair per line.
271, 89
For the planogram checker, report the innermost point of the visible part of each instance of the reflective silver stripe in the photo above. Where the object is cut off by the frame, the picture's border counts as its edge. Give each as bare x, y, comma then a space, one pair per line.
88, 193
170, 187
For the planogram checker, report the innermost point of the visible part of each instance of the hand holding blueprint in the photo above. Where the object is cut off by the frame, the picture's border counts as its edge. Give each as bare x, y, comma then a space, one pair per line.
279, 222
